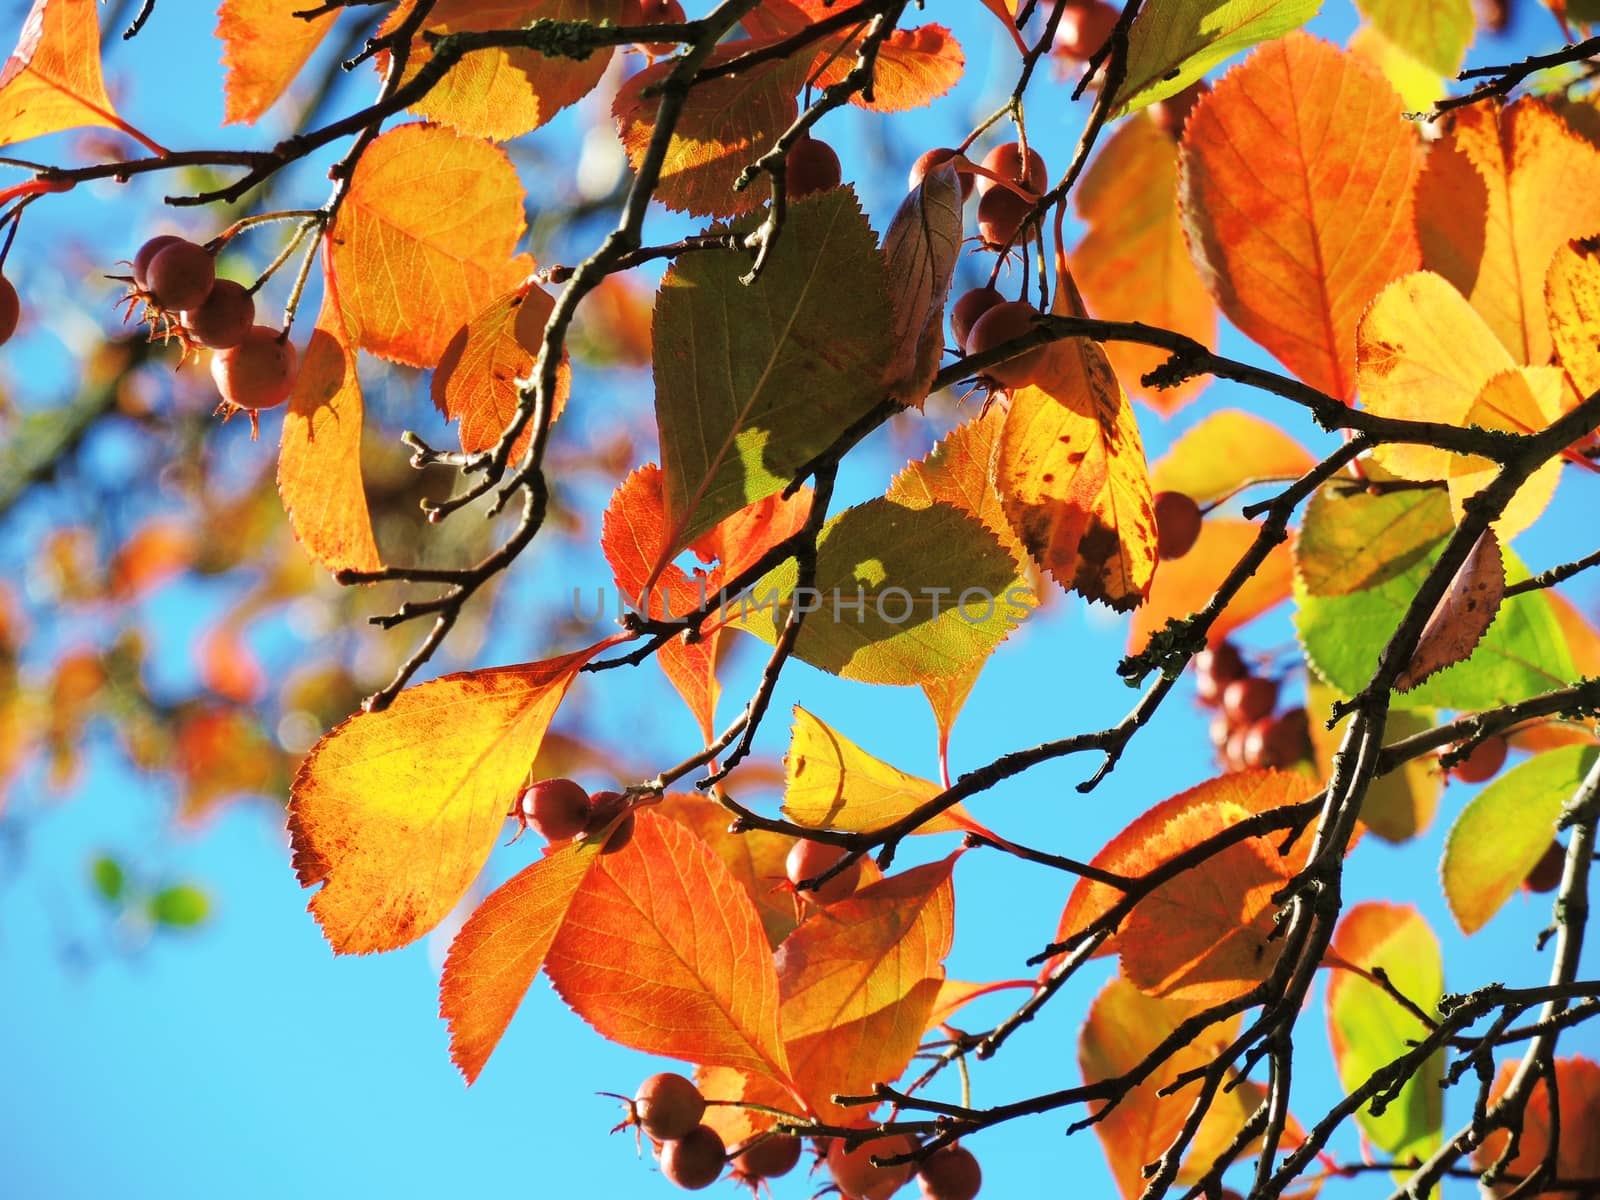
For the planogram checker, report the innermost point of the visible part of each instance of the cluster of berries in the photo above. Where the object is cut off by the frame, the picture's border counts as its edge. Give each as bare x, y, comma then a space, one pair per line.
1246, 731
559, 810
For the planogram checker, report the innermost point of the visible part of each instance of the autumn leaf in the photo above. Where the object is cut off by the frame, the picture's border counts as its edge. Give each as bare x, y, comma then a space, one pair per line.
1437, 32
264, 46
1294, 265
154, 553
1184, 585
919, 252
394, 812
733, 1122
1502, 192
502, 93
52, 80
1504, 831
752, 382
1524, 400
475, 382
1354, 538
1462, 616
1397, 805
725, 124
755, 857
424, 239
496, 955
1226, 450
1369, 1028
663, 950
1133, 264
1419, 85
859, 981
1572, 296
1577, 1111
319, 454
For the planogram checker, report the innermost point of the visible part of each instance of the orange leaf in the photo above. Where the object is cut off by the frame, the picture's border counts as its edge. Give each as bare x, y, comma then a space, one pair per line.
394, 812
663, 951
1578, 1157
1133, 263
424, 240
1572, 294
1072, 473
756, 857
501, 94
153, 554
726, 124
733, 1123
1523, 400
1463, 615
496, 954
52, 80
1294, 263
264, 45
859, 981
319, 454
1184, 585
475, 382
1502, 192
955, 994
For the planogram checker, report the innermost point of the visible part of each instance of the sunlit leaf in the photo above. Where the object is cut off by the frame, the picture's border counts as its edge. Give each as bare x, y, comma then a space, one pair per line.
1505, 830
1294, 265
1436, 31
1419, 85
1225, 450
754, 856
1577, 1112
1353, 539
1503, 190
1572, 294
1525, 400
52, 80
1184, 585
859, 981
394, 812
733, 1123
264, 46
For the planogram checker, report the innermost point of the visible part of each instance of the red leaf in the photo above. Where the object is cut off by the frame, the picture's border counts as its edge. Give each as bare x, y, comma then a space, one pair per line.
1463, 615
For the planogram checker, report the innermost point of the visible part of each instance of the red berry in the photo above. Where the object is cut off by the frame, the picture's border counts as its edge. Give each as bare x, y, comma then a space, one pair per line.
605, 808
1249, 699
1084, 29
695, 1160
808, 859
768, 1158
224, 318
811, 166
258, 372
1547, 872
10, 309
858, 1178
146, 252
1178, 520
1006, 161
1003, 323
1171, 114
1215, 669
654, 12
668, 1106
1220, 730
1000, 215
1233, 753
180, 275
950, 1174
1485, 761
932, 158
556, 809
1279, 741
969, 306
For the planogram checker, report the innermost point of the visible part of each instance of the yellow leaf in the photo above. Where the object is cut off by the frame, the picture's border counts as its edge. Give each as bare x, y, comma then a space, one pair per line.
1524, 400
264, 45
1226, 449
52, 80
1572, 293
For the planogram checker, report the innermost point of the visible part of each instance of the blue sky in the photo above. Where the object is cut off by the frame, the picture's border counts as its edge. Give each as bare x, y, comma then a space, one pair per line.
246, 1060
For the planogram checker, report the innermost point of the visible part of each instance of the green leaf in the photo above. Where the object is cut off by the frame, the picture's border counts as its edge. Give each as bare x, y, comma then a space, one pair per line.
1524, 653
181, 906
1353, 540
1506, 829
1435, 32
1172, 44
904, 595
108, 878
1370, 1028
752, 382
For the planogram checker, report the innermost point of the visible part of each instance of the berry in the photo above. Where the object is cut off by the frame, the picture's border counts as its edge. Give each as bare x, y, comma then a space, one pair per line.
1249, 699
604, 810
768, 1158
1084, 29
669, 1106
1178, 521
556, 809
1220, 729
1485, 761
1006, 161
1279, 741
1215, 669
142, 257
811, 166
1002, 323
950, 1174
258, 372
858, 1178
808, 859
932, 158
180, 275
10, 309
695, 1160
1233, 753
1547, 872
1000, 215
654, 12
224, 317
1171, 114
969, 306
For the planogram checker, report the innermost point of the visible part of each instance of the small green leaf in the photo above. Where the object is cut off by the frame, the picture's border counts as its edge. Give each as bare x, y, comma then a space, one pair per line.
181, 906
1352, 539
1174, 43
1506, 829
108, 877
1435, 32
